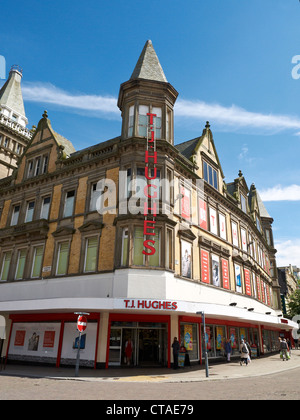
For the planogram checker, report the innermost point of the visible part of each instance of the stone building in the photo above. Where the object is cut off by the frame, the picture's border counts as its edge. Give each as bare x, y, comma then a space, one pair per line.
14, 136
140, 233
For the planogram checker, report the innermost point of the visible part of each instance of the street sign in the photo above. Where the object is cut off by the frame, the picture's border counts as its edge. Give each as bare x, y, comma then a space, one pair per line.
81, 323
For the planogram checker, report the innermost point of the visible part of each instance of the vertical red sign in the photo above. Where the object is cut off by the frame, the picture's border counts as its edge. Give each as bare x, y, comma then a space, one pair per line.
258, 287
202, 214
225, 274
247, 282
205, 266
263, 292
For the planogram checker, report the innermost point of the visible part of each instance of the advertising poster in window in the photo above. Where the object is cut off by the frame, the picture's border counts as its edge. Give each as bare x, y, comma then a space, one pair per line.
207, 338
185, 203
186, 259
205, 267
188, 337
202, 214
254, 285
247, 282
233, 339
219, 338
71, 339
222, 223
225, 274
215, 266
35, 340
213, 220
235, 240
244, 241
238, 278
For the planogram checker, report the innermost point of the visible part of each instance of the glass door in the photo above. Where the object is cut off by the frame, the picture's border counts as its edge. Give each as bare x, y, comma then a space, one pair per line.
115, 347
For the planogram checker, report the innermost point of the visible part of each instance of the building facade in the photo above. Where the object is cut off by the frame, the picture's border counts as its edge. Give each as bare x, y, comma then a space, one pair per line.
141, 234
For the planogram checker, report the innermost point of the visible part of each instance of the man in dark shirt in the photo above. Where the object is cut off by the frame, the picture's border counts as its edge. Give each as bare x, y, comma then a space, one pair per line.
176, 348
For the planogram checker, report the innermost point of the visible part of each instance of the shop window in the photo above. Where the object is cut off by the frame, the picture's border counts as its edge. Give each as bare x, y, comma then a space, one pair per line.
91, 252
69, 203
5, 265
29, 212
15, 215
37, 261
62, 258
45, 208
20, 264
189, 339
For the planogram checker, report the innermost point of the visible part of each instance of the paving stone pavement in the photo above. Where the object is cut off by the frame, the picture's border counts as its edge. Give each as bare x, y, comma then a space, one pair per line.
258, 367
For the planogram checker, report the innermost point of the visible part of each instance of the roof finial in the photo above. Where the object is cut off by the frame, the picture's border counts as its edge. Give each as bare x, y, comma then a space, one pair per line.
45, 114
207, 125
240, 173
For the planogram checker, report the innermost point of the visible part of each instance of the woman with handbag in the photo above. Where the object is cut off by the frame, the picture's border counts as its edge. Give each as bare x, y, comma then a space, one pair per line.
244, 353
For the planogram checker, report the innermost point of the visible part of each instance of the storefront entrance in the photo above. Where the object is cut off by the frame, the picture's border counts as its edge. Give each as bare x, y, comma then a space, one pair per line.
148, 344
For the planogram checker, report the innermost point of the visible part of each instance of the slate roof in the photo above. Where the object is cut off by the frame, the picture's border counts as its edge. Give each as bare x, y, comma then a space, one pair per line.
148, 65
11, 93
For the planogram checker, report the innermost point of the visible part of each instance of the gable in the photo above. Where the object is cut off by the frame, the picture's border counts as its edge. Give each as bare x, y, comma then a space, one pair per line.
43, 151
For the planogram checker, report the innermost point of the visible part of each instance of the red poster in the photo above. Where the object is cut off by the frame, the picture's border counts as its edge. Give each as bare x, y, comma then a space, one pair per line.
247, 282
258, 287
202, 214
185, 203
49, 339
263, 291
20, 338
225, 273
205, 266
268, 295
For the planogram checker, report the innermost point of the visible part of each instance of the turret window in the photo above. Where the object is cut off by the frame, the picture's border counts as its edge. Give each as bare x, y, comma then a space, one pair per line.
143, 120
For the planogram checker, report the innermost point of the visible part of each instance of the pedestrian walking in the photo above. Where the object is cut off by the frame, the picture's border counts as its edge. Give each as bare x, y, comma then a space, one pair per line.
176, 347
228, 349
249, 351
244, 353
296, 343
289, 344
128, 351
284, 350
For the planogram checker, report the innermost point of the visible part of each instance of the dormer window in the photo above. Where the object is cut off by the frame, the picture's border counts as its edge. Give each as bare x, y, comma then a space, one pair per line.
243, 203
210, 175
37, 166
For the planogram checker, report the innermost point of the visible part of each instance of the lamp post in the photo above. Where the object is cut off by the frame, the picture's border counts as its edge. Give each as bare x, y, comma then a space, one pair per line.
205, 343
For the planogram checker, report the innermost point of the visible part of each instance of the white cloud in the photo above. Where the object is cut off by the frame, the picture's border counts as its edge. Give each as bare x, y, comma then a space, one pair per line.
279, 193
48, 93
288, 252
235, 116
230, 117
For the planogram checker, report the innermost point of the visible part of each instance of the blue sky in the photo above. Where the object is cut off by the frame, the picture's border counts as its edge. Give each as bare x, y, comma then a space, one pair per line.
230, 61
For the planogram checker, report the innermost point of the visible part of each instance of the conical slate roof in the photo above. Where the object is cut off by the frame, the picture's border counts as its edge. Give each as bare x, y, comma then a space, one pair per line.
11, 93
148, 65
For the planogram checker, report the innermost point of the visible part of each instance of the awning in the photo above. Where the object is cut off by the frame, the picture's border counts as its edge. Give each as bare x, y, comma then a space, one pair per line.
2, 327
